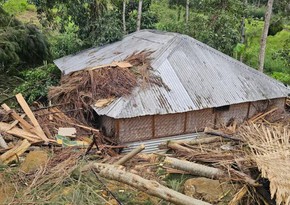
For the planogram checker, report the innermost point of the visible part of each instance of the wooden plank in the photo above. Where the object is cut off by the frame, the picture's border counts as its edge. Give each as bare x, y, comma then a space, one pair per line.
124, 64
31, 116
15, 116
19, 132
16, 122
103, 66
15, 152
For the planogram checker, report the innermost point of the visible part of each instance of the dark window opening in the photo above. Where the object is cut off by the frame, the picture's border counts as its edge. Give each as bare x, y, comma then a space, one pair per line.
222, 108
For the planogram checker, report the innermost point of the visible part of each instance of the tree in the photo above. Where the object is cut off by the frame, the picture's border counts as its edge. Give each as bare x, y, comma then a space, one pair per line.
21, 45
187, 11
139, 15
97, 22
124, 16
264, 35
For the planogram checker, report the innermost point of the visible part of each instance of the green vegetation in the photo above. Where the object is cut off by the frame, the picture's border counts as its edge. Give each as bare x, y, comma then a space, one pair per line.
37, 81
65, 27
18, 6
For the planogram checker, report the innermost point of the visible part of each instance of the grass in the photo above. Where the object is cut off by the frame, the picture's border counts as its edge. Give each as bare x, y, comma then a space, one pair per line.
18, 6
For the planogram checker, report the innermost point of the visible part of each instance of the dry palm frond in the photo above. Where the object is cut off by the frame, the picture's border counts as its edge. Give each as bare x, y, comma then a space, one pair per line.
79, 90
270, 148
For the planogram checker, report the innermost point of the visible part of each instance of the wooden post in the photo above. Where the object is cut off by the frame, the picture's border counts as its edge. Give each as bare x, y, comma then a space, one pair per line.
31, 116
153, 126
185, 122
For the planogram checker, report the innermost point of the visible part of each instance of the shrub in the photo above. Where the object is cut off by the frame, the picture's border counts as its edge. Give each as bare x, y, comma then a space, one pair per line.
37, 81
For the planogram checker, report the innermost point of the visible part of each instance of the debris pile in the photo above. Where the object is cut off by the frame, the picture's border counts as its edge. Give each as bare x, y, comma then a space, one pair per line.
234, 165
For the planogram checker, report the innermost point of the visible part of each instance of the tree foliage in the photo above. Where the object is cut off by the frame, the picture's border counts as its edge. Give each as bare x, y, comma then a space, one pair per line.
98, 21
37, 81
21, 45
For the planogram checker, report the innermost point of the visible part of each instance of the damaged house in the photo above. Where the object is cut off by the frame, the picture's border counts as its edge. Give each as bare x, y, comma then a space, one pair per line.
202, 87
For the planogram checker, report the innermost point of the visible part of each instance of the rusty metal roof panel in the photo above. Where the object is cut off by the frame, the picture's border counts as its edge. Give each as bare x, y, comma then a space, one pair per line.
197, 76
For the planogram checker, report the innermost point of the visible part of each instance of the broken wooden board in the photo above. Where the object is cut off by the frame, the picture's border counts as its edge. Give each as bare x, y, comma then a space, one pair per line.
16, 122
103, 66
31, 116
124, 64
67, 131
15, 116
15, 152
5, 127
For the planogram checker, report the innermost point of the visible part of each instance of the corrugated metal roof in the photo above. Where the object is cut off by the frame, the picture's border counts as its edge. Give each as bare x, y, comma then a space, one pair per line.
197, 76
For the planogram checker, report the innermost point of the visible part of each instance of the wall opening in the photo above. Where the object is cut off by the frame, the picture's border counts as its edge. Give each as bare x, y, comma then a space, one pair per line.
222, 108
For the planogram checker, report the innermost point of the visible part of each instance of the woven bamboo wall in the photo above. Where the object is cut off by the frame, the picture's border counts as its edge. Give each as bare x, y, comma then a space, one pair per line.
141, 128
166, 125
260, 106
135, 129
237, 112
199, 119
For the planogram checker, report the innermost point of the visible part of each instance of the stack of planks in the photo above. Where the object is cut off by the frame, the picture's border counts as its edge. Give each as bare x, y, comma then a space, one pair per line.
27, 129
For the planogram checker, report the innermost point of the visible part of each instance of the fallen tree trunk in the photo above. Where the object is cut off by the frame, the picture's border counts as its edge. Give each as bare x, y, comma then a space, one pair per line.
193, 168
149, 186
130, 155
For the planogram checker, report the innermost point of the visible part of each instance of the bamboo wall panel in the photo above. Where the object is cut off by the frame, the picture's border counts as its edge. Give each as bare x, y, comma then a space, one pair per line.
198, 120
135, 129
167, 125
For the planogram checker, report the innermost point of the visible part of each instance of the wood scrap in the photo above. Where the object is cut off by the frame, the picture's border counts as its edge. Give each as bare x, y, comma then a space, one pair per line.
4, 127
31, 116
15, 152
16, 122
193, 168
15, 116
130, 155
67, 131
149, 186
263, 115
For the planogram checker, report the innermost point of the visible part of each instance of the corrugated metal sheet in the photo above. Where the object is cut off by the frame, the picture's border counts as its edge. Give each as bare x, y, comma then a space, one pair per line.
152, 145
198, 76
